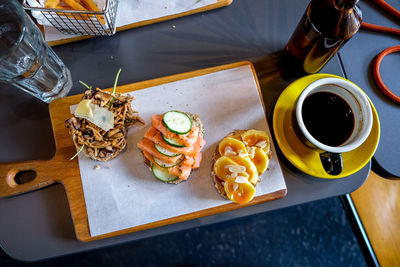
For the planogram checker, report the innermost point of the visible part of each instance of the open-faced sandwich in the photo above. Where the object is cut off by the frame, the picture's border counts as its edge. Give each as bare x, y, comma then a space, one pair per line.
172, 146
100, 123
238, 162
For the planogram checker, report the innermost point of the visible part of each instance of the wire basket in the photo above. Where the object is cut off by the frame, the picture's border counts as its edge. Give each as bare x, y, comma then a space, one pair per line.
82, 22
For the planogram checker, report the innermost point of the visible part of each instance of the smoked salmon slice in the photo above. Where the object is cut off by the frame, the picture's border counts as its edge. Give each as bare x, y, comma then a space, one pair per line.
185, 171
190, 153
174, 171
148, 156
182, 171
197, 160
148, 146
155, 136
187, 139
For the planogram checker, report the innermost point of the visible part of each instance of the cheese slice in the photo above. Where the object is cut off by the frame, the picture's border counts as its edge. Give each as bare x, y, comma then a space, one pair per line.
103, 118
97, 115
84, 110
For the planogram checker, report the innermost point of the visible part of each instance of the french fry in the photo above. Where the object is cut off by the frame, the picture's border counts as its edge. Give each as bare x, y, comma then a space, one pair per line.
63, 5
74, 4
92, 6
69, 15
51, 3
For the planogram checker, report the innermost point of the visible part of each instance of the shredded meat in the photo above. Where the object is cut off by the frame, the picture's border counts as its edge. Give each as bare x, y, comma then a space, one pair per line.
99, 144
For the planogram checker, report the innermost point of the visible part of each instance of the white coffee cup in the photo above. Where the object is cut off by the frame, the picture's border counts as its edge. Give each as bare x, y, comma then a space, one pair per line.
357, 101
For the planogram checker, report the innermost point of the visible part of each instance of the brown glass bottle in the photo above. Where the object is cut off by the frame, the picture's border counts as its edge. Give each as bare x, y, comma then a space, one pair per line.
324, 28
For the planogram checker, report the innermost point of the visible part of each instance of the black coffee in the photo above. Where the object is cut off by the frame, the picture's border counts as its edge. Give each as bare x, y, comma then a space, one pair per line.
328, 118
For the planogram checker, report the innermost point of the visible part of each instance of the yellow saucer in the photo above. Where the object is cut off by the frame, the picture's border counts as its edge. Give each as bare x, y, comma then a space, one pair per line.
301, 156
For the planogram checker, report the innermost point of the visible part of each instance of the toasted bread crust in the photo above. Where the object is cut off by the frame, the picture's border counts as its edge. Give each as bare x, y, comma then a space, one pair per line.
218, 183
197, 122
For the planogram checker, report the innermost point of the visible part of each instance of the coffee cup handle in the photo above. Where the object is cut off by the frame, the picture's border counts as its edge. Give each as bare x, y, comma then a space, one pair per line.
332, 162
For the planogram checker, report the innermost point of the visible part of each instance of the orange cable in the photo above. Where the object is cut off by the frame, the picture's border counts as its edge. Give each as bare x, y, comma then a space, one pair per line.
377, 75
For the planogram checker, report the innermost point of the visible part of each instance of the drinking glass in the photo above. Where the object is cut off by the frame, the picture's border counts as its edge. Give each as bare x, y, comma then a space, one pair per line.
26, 60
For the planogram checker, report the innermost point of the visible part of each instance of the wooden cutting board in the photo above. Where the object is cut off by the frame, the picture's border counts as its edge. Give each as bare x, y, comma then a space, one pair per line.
60, 169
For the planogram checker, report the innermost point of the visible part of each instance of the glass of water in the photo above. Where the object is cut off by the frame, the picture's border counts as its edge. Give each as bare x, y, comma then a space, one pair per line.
26, 60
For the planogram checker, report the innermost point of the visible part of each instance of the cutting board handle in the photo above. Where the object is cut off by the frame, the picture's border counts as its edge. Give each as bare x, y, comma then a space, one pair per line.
21, 177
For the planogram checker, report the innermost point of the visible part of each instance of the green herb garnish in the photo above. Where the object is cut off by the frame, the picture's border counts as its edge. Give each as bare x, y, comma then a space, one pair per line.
109, 104
87, 86
77, 153
116, 81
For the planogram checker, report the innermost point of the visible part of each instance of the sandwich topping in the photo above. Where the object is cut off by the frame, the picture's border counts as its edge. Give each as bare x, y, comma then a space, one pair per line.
240, 160
172, 146
100, 123
97, 115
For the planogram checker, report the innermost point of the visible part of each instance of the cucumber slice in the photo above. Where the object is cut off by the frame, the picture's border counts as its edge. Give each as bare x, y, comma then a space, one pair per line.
177, 122
162, 174
165, 152
172, 142
164, 164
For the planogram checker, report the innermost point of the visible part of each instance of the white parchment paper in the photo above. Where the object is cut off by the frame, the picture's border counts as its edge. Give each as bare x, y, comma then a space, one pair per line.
132, 11
123, 193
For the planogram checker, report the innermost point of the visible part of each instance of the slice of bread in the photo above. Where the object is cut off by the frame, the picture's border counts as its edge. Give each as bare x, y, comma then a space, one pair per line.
195, 121
218, 183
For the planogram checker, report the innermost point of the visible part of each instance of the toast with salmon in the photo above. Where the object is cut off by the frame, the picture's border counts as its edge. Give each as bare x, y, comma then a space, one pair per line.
238, 162
172, 153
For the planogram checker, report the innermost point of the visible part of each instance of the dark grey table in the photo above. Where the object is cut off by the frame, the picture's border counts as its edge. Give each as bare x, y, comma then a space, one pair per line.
357, 57
38, 225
